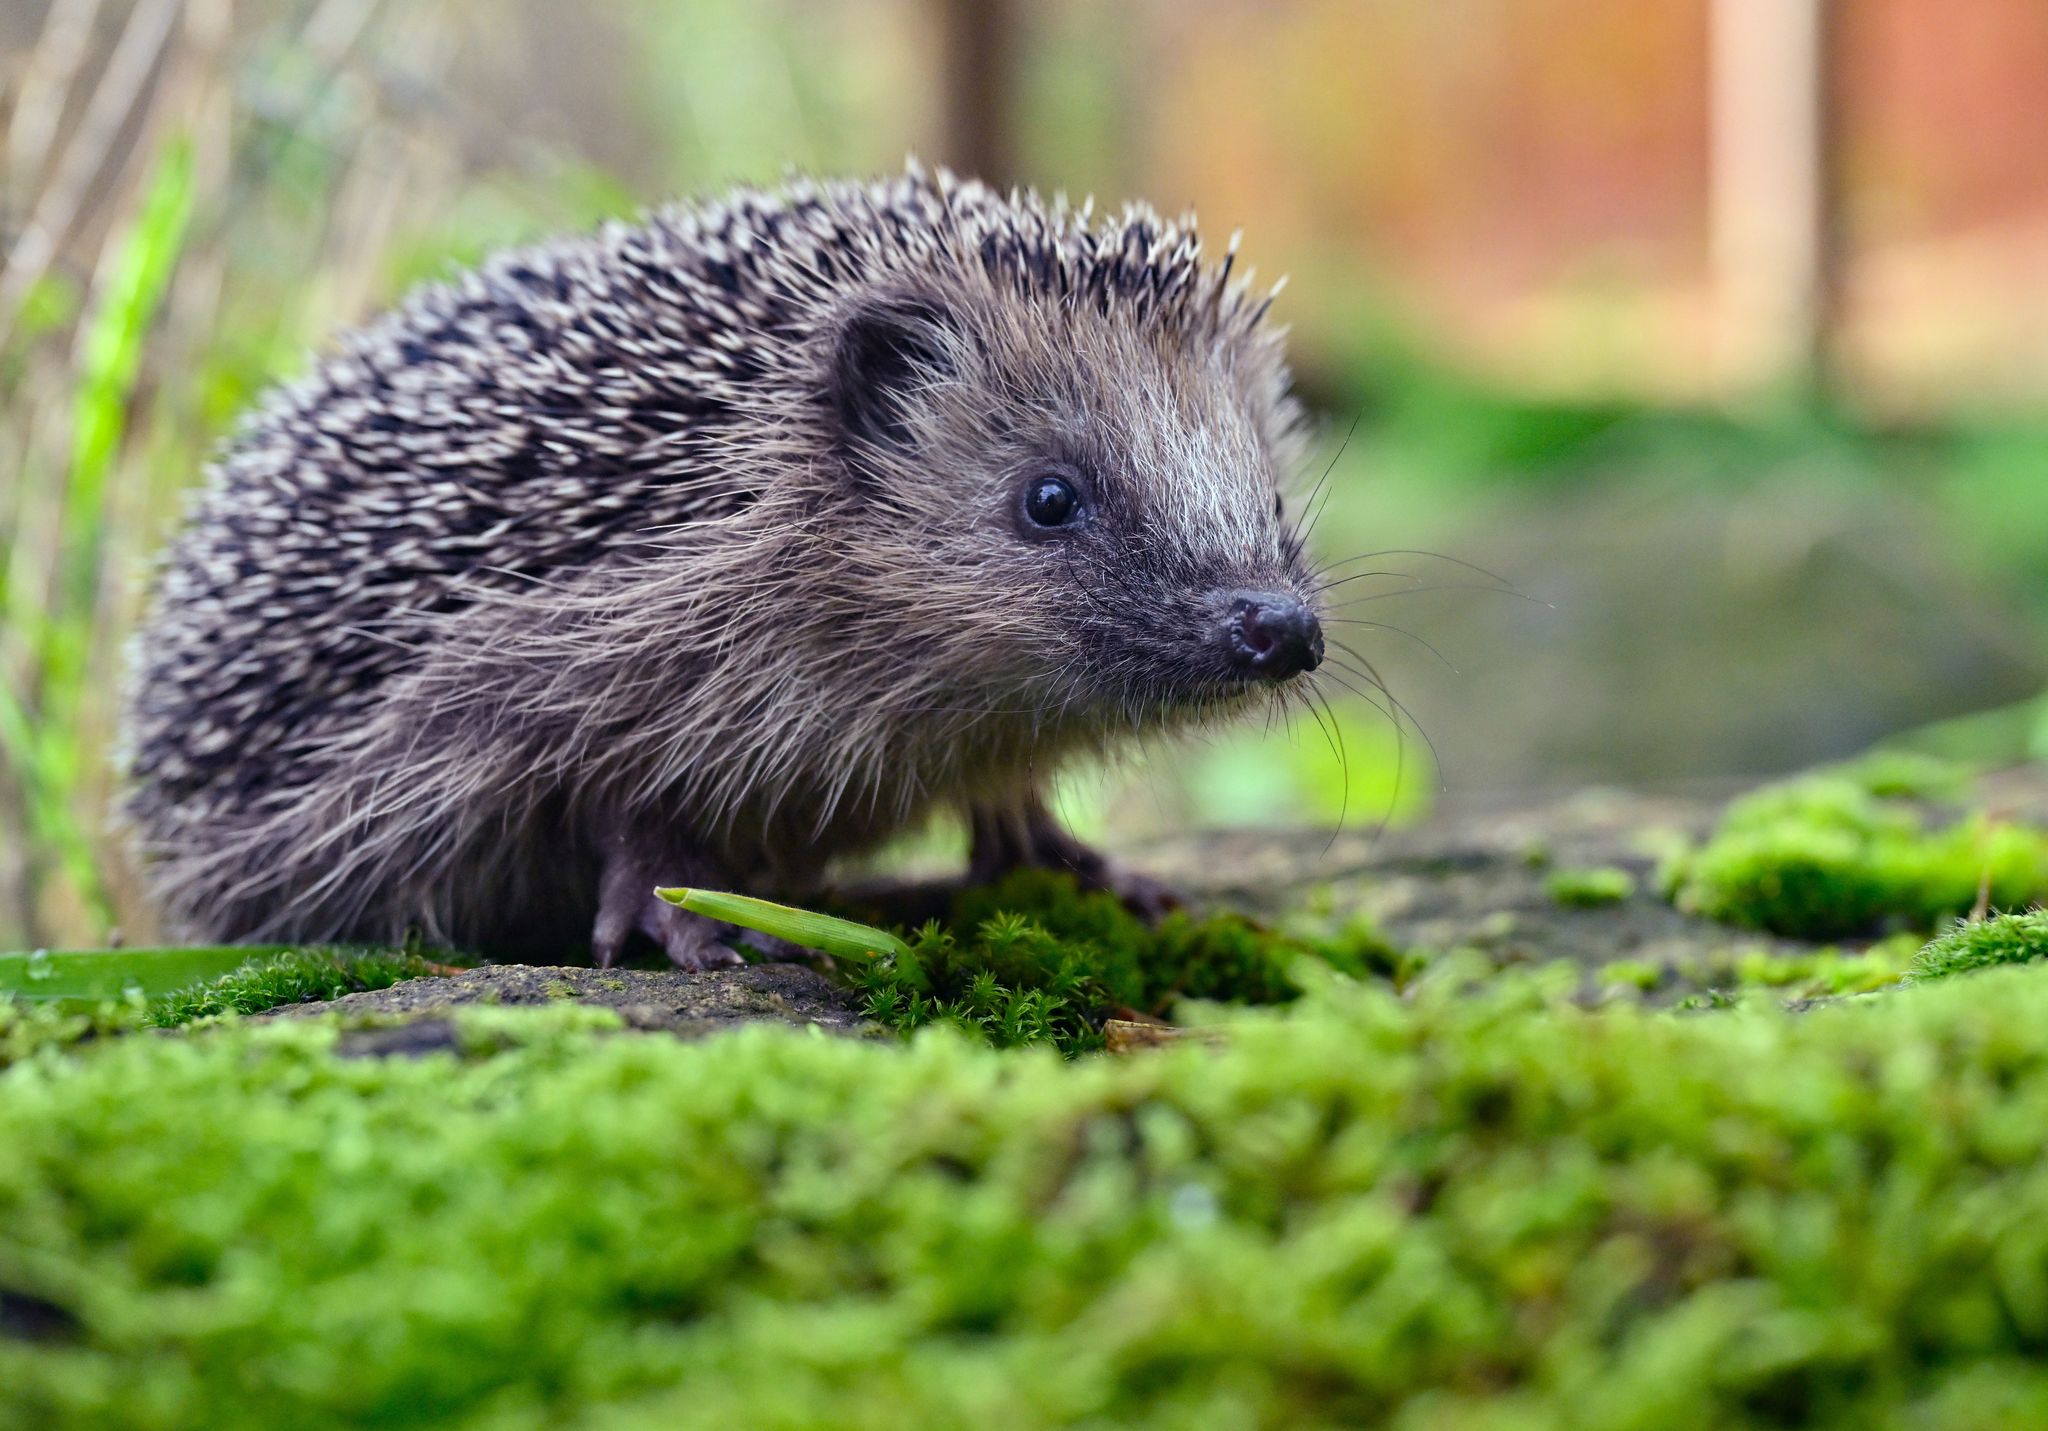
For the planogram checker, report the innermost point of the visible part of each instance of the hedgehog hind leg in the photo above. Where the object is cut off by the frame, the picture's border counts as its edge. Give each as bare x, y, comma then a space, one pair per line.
1029, 836
627, 904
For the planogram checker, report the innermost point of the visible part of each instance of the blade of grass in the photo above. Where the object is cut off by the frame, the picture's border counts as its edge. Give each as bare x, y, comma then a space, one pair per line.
110, 355
823, 932
42, 740
84, 977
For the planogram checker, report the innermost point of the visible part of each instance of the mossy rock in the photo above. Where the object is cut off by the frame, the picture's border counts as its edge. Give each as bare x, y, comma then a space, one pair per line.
1474, 1203
1033, 960
1404, 1168
686, 1004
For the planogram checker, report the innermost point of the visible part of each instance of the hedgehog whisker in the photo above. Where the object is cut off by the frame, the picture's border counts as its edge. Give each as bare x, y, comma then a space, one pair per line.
1391, 630
1474, 567
1398, 708
1350, 601
1313, 513
1336, 582
1333, 735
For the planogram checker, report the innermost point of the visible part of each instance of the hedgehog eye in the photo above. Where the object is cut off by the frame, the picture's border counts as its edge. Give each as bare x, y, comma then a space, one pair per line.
1279, 507
1051, 501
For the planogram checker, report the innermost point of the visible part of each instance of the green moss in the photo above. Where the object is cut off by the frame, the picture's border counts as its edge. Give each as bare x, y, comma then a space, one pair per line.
1641, 975
1906, 775
1035, 960
1824, 973
1798, 973
296, 977
1984, 944
1590, 888
1491, 1209
1842, 854
32, 1029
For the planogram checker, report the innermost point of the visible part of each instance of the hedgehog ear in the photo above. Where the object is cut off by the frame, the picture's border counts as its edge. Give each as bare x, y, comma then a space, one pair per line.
883, 352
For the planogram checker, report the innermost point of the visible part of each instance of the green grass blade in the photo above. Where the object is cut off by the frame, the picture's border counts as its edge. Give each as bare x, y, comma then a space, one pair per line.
39, 737
88, 976
840, 937
112, 354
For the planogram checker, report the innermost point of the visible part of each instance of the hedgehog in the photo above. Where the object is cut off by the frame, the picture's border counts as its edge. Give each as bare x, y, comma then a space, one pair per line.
709, 548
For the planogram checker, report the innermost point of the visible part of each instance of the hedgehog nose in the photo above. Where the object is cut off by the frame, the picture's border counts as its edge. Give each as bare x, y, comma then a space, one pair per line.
1272, 635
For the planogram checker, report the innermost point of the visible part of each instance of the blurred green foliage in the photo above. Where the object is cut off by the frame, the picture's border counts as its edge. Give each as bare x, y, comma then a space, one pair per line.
41, 745
78, 978
1589, 888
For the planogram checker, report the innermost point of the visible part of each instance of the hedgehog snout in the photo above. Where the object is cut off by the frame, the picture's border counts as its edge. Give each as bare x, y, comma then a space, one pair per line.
1271, 635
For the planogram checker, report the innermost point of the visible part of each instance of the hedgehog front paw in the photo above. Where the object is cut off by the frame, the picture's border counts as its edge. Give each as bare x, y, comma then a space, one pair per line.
627, 904
690, 940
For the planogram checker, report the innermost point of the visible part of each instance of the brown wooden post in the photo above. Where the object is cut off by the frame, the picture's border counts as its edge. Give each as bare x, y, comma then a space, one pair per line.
1776, 202
977, 86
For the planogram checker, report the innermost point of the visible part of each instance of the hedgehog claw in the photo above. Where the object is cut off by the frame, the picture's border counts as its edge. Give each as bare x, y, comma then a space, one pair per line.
627, 904
691, 942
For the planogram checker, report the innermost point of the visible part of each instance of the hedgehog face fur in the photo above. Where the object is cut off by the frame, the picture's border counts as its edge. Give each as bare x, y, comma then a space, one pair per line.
701, 550
1119, 492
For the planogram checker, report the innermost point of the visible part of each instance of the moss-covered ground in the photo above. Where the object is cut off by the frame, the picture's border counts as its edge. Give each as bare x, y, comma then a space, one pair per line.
1480, 1203
1590, 888
1415, 1189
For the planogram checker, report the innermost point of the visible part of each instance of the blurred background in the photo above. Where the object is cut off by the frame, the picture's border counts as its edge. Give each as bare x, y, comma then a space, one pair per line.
1715, 329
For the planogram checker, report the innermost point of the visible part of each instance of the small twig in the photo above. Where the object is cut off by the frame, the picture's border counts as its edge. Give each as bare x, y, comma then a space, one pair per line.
1981, 910
1128, 1035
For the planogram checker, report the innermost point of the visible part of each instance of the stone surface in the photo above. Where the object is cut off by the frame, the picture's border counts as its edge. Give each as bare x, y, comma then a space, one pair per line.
410, 1018
1478, 876
1475, 876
